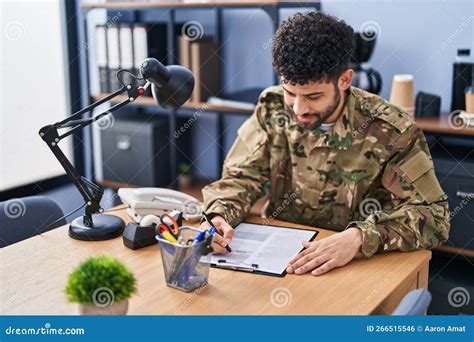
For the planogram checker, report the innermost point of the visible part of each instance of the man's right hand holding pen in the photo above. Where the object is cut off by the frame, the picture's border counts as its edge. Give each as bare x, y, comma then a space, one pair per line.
226, 232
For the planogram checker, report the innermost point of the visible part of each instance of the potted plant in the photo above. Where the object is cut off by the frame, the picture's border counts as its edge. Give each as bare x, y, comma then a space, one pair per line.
102, 286
185, 178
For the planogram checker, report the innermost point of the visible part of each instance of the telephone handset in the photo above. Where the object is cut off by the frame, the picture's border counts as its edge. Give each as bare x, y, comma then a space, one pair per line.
151, 201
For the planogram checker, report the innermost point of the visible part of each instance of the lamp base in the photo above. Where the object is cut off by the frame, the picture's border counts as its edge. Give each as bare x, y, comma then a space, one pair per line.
105, 227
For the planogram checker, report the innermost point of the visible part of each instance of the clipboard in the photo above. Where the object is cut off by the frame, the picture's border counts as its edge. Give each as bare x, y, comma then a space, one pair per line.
222, 261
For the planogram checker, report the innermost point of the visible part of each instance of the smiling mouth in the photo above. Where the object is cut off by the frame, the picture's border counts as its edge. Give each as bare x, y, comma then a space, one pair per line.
307, 117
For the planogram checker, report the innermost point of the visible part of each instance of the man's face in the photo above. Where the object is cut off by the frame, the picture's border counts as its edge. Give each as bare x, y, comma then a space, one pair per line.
313, 102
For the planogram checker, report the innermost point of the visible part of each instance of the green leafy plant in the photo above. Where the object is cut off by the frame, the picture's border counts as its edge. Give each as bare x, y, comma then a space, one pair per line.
184, 169
100, 273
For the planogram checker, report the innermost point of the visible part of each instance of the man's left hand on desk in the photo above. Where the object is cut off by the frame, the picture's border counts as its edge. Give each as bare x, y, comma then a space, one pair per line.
323, 255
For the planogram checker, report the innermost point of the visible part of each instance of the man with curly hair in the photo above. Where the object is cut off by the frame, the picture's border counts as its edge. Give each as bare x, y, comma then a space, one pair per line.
330, 155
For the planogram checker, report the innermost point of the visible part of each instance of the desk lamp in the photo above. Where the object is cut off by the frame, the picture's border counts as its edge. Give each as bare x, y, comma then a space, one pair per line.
171, 87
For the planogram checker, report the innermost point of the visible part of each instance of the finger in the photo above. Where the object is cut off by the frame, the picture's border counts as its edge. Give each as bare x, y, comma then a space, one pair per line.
312, 264
311, 248
295, 259
204, 226
220, 240
222, 226
324, 268
304, 259
299, 256
229, 234
218, 249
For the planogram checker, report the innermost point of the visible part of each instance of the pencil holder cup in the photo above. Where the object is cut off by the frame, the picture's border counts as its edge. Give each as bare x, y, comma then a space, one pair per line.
186, 267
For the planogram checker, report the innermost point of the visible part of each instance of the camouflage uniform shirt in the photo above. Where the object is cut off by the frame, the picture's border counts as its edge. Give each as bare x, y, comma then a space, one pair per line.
372, 170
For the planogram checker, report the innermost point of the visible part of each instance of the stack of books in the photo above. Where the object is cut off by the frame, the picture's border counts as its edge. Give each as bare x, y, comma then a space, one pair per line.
201, 56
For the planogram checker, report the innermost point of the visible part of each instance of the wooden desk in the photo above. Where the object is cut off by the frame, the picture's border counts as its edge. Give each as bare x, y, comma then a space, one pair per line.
34, 274
440, 125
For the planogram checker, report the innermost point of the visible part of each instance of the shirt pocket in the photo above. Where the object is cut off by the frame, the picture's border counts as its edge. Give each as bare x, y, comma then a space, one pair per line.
350, 176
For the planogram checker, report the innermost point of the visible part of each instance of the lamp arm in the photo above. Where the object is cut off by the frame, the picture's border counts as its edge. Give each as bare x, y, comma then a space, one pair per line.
90, 192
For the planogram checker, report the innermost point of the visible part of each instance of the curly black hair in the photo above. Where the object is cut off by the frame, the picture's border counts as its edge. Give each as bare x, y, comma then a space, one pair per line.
313, 46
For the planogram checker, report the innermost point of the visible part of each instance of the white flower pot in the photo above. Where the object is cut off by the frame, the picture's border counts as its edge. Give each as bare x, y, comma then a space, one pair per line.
185, 181
119, 308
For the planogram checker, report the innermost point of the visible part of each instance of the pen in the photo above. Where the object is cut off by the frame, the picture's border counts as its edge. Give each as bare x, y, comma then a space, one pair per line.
200, 236
214, 230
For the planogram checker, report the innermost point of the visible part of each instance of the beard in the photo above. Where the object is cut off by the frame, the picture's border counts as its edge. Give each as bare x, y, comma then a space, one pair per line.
321, 116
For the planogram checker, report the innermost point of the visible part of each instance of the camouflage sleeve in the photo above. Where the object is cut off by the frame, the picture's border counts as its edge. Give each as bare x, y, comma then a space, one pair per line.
419, 214
246, 169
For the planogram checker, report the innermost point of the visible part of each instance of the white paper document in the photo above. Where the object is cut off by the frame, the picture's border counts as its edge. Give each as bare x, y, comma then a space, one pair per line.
262, 248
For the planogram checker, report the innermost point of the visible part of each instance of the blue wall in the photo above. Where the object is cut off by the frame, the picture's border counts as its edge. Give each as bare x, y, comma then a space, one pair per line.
419, 37
416, 37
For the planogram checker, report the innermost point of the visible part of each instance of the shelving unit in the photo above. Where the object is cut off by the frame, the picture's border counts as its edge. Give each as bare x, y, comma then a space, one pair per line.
193, 4
150, 101
437, 127
271, 7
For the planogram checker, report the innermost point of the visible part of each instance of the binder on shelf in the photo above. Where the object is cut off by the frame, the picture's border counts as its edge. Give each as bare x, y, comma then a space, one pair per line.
205, 65
101, 57
184, 47
140, 47
126, 53
149, 41
113, 53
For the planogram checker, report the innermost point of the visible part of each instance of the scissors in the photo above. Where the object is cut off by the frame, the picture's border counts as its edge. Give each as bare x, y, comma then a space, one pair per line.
168, 231
173, 228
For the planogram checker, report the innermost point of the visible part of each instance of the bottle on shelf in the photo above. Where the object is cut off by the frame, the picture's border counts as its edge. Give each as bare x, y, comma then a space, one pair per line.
462, 78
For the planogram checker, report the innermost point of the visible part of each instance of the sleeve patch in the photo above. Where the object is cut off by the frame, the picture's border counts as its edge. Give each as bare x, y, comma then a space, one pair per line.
419, 172
416, 166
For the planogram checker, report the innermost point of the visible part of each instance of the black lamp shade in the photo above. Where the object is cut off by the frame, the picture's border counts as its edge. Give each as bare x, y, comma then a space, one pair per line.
177, 90
171, 85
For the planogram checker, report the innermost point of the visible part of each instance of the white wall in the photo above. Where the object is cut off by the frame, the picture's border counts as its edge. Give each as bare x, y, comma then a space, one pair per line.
420, 37
416, 37
34, 89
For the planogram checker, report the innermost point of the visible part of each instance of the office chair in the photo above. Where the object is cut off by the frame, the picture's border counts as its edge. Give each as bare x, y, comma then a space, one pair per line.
415, 303
22, 218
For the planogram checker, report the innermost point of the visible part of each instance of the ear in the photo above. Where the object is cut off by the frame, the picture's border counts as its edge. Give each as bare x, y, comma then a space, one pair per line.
345, 79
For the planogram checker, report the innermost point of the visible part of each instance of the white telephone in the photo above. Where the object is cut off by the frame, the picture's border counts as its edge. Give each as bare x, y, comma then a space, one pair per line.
152, 201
